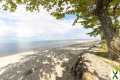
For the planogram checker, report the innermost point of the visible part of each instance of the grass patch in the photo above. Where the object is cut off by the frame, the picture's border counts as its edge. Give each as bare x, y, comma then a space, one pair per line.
102, 50
114, 64
102, 54
117, 67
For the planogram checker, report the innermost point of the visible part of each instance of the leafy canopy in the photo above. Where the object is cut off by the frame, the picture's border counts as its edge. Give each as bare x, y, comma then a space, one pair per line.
82, 9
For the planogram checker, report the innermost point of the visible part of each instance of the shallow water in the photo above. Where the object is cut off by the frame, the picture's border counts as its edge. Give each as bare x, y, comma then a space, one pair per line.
8, 48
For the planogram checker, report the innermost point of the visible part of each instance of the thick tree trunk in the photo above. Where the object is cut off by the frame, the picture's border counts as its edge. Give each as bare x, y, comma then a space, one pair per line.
107, 29
113, 41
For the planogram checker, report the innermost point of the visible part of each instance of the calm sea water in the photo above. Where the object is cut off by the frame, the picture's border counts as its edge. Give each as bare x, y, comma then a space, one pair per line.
8, 48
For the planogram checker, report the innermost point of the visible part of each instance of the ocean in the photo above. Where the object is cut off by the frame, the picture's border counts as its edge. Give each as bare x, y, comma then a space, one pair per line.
9, 48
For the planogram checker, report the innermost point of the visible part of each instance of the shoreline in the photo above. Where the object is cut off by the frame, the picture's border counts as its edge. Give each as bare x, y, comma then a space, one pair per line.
42, 64
13, 58
10, 59
14, 53
8, 53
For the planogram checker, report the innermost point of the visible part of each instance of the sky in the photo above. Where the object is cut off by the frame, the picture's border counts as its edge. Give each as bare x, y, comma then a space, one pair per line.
22, 25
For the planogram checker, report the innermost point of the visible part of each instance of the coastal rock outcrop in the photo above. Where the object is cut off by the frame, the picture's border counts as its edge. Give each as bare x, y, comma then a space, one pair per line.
73, 62
92, 67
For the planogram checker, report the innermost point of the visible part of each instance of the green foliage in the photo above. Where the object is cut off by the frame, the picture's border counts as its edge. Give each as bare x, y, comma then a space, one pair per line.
58, 15
103, 46
10, 5
82, 9
19, 1
115, 1
117, 67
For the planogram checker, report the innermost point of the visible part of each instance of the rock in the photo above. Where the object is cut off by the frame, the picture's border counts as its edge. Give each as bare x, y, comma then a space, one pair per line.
93, 67
89, 76
115, 48
51, 64
116, 43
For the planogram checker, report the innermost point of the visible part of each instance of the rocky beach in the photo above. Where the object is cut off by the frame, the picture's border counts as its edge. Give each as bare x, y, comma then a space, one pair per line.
62, 63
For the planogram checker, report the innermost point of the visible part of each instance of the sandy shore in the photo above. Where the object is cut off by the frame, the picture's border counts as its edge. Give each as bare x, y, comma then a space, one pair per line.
4, 61
17, 57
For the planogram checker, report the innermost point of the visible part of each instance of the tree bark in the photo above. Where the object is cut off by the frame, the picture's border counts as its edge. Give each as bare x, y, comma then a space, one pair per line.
107, 29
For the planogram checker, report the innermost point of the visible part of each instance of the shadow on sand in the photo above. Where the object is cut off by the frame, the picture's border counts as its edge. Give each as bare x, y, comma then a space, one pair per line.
50, 64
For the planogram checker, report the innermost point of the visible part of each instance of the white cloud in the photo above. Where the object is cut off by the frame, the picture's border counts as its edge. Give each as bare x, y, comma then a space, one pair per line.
26, 24
4, 29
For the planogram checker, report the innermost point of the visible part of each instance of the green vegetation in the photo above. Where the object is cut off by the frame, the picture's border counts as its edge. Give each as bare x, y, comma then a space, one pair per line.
102, 16
114, 64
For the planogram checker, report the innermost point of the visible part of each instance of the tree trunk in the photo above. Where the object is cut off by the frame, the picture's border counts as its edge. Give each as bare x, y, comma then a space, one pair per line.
110, 35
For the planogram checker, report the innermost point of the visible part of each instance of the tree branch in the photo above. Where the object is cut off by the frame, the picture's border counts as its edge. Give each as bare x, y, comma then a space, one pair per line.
114, 8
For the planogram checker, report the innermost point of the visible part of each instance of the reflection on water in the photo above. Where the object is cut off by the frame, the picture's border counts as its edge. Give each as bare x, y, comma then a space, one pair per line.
8, 48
